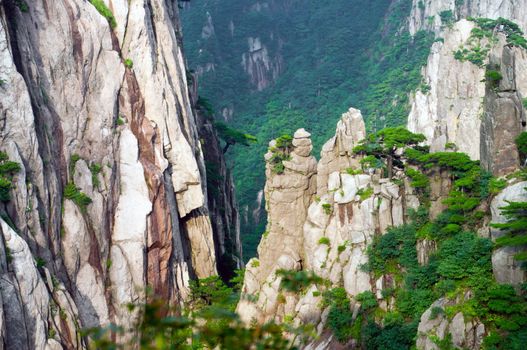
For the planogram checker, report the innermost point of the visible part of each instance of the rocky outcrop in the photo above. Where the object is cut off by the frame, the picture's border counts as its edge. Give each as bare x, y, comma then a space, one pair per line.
281, 247
261, 68
223, 208
434, 326
460, 110
326, 231
112, 194
504, 116
426, 14
450, 110
506, 269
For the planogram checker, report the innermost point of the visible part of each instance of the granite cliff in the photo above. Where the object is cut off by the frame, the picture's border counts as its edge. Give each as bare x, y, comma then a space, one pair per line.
111, 192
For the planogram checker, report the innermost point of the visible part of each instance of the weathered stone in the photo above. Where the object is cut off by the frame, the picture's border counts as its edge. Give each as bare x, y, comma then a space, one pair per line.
506, 269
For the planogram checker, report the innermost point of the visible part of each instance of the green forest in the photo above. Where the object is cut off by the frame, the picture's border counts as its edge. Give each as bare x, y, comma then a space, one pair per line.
335, 55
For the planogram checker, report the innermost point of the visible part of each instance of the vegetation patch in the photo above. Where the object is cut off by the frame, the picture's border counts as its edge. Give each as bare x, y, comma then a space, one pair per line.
298, 281
521, 143
515, 229
484, 35
365, 193
327, 208
128, 63
73, 193
232, 136
95, 170
105, 12
22, 5
280, 153
447, 17
8, 169
324, 240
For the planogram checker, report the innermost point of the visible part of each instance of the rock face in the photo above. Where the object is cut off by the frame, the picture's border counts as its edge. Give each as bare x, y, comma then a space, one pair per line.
426, 13
466, 334
460, 110
259, 66
321, 223
506, 268
91, 111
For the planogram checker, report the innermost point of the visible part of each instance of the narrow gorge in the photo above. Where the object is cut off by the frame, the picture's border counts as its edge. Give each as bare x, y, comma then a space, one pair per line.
400, 224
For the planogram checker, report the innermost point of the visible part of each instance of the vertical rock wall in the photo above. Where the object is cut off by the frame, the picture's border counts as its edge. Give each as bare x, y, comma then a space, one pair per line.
426, 13
91, 111
461, 108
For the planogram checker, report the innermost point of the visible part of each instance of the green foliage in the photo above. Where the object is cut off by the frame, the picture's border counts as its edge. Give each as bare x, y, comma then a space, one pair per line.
521, 143
396, 246
419, 180
73, 161
157, 328
298, 281
447, 17
284, 142
8, 169
351, 171
510, 29
443, 344
365, 193
478, 50
380, 148
324, 240
120, 121
105, 12
436, 311
524, 102
395, 335
340, 316
232, 136
73, 193
450, 145
515, 228
367, 300
475, 53
493, 76
39, 262
22, 5
128, 63
462, 255
95, 169
280, 153
327, 208
204, 106
496, 185
388, 140
211, 291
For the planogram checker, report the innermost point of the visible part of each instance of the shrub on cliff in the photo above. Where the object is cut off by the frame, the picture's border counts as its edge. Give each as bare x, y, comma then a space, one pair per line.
101, 7
515, 229
7, 170
232, 136
280, 153
380, 148
521, 142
